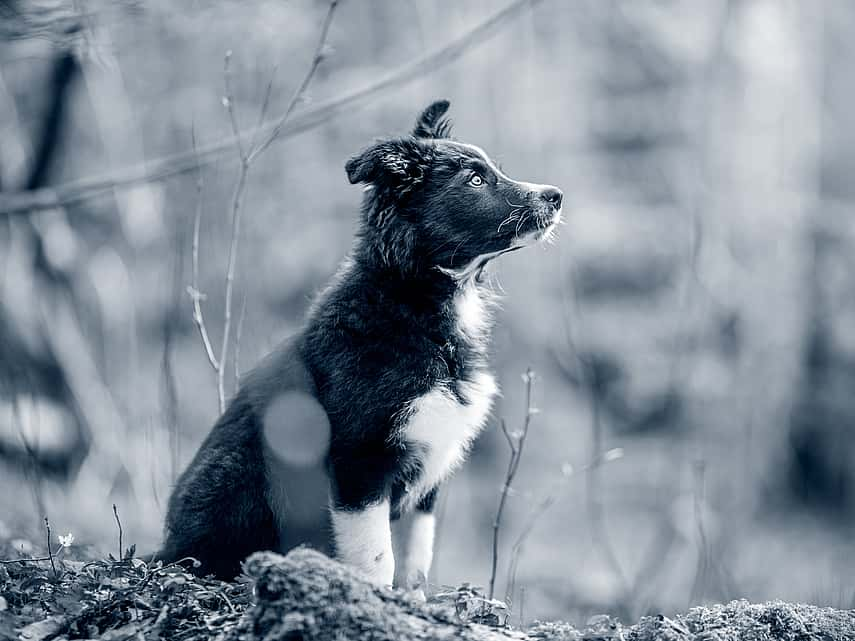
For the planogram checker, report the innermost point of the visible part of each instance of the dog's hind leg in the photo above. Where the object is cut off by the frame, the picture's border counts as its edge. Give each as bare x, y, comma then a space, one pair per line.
219, 512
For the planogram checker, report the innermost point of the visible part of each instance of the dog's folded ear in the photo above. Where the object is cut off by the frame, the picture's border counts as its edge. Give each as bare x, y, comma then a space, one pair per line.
396, 163
431, 123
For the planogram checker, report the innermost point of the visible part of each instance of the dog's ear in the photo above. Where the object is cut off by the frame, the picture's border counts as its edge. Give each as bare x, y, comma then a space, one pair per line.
431, 123
394, 163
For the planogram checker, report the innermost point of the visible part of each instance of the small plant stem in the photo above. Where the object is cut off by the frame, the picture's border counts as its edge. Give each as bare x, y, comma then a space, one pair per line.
50, 552
119, 523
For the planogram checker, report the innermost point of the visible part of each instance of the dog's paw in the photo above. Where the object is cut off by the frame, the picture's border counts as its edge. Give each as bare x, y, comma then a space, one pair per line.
416, 585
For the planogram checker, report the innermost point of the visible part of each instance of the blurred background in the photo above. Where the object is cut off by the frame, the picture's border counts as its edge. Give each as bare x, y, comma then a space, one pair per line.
692, 331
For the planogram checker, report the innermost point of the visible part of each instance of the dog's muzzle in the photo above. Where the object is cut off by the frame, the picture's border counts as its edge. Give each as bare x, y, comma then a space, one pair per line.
548, 211
553, 197
542, 213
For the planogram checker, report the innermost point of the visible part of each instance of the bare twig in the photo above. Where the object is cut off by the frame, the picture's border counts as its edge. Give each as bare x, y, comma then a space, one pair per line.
237, 201
542, 506
183, 162
118, 523
228, 101
238, 335
230, 279
298, 93
264, 105
50, 553
195, 295
247, 158
516, 441
27, 560
516, 550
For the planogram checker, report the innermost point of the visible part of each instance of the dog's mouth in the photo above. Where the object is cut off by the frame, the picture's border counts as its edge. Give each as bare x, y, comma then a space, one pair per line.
536, 226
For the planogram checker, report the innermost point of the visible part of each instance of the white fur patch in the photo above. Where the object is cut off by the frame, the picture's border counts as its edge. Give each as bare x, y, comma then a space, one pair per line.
420, 547
471, 309
364, 541
412, 540
446, 428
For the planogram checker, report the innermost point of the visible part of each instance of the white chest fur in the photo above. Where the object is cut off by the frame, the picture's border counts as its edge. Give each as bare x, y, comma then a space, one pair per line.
438, 421
472, 312
445, 428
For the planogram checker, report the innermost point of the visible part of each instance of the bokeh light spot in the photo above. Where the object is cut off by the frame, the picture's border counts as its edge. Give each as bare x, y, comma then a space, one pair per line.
296, 428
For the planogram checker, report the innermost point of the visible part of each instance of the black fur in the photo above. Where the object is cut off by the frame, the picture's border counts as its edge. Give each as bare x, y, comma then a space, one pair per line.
384, 333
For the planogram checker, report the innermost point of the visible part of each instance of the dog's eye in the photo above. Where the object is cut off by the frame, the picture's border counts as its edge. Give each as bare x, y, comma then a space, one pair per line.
476, 180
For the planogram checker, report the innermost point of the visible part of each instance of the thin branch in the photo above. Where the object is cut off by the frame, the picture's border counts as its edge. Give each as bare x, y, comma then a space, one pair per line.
516, 549
307, 79
28, 560
234, 244
497, 522
50, 553
119, 523
196, 296
246, 161
542, 506
508, 437
228, 102
516, 441
264, 105
237, 200
238, 335
183, 162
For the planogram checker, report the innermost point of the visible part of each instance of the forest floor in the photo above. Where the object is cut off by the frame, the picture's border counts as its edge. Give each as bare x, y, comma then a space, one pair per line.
306, 595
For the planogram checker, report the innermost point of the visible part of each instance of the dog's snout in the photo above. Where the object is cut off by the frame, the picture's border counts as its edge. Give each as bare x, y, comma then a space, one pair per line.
553, 196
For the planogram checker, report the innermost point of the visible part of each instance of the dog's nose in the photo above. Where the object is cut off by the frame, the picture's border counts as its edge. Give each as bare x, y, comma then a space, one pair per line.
553, 196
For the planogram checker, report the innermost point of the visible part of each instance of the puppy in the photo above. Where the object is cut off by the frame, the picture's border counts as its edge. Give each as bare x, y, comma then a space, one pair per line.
393, 354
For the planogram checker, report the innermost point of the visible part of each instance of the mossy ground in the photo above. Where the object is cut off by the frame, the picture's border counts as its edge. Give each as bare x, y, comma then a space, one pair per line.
114, 599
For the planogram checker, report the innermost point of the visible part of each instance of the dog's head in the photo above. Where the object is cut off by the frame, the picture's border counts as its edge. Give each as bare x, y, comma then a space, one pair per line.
435, 202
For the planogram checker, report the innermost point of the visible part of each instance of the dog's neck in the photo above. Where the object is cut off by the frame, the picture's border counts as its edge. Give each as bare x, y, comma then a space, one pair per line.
417, 282
425, 279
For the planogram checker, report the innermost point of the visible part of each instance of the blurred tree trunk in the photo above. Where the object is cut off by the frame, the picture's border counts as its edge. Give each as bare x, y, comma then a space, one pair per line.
29, 367
822, 426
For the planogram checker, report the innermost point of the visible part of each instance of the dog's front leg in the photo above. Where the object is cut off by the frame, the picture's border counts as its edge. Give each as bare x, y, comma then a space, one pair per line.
363, 537
412, 538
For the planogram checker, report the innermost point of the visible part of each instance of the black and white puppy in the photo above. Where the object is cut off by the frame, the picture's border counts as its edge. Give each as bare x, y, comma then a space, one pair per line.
394, 351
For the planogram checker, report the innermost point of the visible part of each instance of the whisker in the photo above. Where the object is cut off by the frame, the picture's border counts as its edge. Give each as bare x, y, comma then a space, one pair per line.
442, 245
507, 220
520, 224
459, 245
